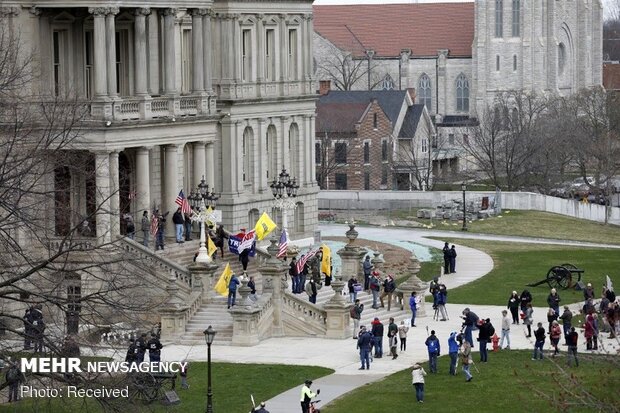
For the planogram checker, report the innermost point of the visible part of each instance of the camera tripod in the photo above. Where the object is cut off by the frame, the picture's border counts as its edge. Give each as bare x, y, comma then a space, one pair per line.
440, 311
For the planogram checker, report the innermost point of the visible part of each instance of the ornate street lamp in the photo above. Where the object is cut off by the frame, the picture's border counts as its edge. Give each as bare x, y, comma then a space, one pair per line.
209, 336
464, 188
284, 190
200, 199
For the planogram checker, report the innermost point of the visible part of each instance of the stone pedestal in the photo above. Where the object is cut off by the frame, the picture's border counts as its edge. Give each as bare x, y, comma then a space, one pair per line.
413, 283
337, 309
173, 313
245, 318
274, 272
204, 278
351, 256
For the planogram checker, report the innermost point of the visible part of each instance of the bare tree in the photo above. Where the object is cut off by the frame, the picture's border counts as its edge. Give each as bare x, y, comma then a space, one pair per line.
507, 138
62, 270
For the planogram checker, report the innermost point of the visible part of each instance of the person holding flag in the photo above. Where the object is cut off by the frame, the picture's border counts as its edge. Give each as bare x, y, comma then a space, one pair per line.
227, 285
283, 244
247, 244
326, 263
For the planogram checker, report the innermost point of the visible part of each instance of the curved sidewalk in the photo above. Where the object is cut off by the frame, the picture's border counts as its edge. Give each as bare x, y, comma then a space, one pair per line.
341, 355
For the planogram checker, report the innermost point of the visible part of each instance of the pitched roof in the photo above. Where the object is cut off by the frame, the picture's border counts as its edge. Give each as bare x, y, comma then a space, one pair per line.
611, 76
411, 121
338, 117
387, 28
391, 101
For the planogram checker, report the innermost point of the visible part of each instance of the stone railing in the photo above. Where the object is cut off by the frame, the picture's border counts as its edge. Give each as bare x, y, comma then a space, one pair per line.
163, 267
314, 317
74, 244
159, 107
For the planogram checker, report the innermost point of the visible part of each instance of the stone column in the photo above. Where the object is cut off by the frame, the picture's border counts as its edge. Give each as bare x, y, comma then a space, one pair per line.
226, 37
171, 189
153, 44
170, 87
442, 56
204, 278
115, 227
199, 162
173, 312
273, 272
99, 51
282, 147
310, 51
260, 41
261, 162
102, 196
307, 152
141, 72
351, 256
413, 283
338, 314
206, 52
234, 56
210, 166
197, 51
143, 183
110, 29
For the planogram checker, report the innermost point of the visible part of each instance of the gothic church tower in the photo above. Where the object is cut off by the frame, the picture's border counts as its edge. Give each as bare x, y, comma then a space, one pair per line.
550, 46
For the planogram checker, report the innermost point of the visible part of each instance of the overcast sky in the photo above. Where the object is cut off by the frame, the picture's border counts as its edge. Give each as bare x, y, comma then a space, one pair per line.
319, 2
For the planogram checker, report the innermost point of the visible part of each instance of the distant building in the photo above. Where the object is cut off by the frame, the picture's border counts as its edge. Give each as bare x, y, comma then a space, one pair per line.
372, 141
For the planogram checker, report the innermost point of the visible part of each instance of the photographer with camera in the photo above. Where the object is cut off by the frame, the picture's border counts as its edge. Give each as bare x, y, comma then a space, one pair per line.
307, 395
470, 319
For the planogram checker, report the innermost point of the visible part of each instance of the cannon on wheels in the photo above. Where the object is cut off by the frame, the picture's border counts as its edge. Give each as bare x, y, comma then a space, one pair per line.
561, 276
146, 388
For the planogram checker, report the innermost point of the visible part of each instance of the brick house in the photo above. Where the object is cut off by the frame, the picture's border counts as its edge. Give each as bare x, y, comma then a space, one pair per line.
375, 140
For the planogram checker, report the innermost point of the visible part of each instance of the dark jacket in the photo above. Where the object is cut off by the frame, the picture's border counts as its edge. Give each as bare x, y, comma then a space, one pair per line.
154, 346
377, 329
526, 297
389, 285
485, 332
141, 345
539, 334
292, 270
470, 319
364, 341
177, 218
553, 300
566, 317
513, 302
571, 339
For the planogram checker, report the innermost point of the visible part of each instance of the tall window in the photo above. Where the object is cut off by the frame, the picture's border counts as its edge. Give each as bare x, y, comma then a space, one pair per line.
387, 83
366, 152
424, 145
384, 175
561, 58
317, 153
59, 60
272, 169
366, 181
341, 181
292, 54
384, 151
514, 63
88, 64
462, 93
497, 63
499, 18
375, 121
293, 152
425, 94
270, 54
74, 293
186, 61
340, 152
247, 141
516, 18
246, 56
122, 62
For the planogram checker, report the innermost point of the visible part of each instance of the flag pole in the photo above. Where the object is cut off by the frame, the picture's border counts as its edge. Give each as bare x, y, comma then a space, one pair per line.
203, 252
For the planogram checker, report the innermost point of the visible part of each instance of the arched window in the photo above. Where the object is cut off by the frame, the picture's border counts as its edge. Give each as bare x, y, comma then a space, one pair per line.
561, 58
299, 221
516, 18
293, 151
425, 93
462, 93
246, 165
387, 83
499, 18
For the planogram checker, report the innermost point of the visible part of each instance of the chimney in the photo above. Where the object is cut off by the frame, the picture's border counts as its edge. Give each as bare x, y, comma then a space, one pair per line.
411, 91
324, 87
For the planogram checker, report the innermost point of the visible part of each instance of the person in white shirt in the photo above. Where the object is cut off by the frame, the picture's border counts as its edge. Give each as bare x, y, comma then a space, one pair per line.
505, 330
417, 376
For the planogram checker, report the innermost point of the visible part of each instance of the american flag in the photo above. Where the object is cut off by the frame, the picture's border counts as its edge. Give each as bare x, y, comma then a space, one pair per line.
154, 222
247, 241
283, 245
183, 203
302, 261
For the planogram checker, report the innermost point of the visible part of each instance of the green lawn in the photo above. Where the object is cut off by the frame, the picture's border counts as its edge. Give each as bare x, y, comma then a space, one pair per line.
507, 383
232, 386
529, 224
516, 265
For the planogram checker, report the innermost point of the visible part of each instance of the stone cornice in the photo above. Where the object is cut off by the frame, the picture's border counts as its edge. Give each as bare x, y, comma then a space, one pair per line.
98, 11
170, 12
112, 11
6, 11
142, 11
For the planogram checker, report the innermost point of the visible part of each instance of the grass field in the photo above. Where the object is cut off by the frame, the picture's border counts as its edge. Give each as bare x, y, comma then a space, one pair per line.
530, 224
232, 386
507, 383
516, 265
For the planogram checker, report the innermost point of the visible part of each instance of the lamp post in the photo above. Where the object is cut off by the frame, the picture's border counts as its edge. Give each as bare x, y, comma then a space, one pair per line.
200, 199
209, 336
464, 188
284, 190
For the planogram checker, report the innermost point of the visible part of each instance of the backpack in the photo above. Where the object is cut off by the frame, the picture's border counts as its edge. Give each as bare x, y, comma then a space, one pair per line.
353, 313
491, 330
432, 346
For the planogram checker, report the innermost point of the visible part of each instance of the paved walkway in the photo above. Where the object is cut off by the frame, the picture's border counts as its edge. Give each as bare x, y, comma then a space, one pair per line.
342, 356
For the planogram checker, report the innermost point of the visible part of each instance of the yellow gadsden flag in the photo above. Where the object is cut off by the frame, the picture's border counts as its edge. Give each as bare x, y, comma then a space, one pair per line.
264, 226
211, 248
222, 284
326, 267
